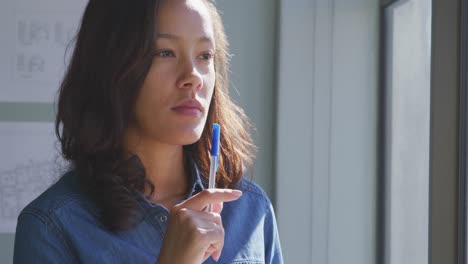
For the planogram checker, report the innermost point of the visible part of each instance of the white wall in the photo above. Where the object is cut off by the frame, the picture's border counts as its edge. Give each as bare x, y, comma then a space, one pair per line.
251, 29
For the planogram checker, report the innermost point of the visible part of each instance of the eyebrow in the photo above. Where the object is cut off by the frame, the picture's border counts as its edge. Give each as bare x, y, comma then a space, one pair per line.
174, 37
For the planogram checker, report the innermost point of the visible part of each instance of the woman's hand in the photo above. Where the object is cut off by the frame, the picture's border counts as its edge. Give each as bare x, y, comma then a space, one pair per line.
194, 234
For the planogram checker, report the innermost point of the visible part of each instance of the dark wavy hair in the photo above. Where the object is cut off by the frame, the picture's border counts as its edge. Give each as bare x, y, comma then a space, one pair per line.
112, 55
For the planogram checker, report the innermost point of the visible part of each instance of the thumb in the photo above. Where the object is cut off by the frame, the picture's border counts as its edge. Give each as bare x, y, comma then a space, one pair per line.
217, 208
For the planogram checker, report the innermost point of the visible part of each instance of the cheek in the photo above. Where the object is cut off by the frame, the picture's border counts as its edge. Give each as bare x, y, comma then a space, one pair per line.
152, 98
149, 93
155, 89
210, 82
209, 91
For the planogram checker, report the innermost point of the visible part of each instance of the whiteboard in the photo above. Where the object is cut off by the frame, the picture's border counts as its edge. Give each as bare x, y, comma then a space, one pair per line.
34, 37
30, 163
33, 40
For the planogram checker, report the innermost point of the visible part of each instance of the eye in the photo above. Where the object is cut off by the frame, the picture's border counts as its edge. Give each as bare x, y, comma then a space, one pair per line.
206, 56
165, 53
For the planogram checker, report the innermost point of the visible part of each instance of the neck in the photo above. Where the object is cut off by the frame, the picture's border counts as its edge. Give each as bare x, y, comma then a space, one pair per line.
164, 165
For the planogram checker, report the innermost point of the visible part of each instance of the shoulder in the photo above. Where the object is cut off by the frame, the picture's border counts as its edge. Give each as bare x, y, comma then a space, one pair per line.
254, 198
59, 199
40, 230
253, 189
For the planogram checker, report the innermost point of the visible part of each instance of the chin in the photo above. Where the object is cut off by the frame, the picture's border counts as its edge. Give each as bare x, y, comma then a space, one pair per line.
189, 140
188, 136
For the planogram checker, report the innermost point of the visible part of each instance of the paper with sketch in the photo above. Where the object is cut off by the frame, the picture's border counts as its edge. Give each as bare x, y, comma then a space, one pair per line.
35, 36
29, 164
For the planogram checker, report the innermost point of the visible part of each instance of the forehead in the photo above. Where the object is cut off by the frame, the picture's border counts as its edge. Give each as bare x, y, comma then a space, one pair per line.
184, 17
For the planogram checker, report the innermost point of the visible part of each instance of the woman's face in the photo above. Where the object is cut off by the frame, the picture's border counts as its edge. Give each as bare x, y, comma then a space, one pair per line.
173, 103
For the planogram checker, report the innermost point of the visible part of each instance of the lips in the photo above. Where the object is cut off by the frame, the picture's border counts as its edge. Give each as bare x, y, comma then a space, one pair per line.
189, 107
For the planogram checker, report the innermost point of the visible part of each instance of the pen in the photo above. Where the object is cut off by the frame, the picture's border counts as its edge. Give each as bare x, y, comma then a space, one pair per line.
214, 159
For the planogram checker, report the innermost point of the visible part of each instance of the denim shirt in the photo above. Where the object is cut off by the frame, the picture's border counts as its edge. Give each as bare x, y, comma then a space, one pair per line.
62, 226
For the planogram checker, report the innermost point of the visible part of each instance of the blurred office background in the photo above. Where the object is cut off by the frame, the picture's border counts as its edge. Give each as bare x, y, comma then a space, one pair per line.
359, 107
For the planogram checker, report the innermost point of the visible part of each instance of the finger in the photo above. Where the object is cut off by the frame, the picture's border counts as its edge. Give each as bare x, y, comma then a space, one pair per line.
216, 255
216, 237
207, 217
217, 208
207, 255
211, 249
207, 196
213, 252
212, 234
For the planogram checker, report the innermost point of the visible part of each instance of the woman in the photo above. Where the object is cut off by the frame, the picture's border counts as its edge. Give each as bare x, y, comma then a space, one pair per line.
146, 82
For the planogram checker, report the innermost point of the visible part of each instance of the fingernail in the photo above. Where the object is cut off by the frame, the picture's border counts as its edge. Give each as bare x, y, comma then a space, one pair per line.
237, 193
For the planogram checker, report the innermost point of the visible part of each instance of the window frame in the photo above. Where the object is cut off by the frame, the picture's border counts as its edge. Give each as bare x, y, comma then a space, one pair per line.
463, 138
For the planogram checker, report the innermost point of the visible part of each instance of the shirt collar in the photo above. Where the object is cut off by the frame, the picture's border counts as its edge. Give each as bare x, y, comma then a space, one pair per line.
196, 182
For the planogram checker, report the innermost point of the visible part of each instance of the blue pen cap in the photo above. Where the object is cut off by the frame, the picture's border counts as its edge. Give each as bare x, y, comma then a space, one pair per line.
215, 140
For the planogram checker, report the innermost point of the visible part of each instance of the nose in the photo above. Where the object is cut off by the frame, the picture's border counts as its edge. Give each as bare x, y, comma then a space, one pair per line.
190, 77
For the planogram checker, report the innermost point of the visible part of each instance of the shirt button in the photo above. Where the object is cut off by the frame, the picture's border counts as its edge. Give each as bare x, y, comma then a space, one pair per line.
163, 218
